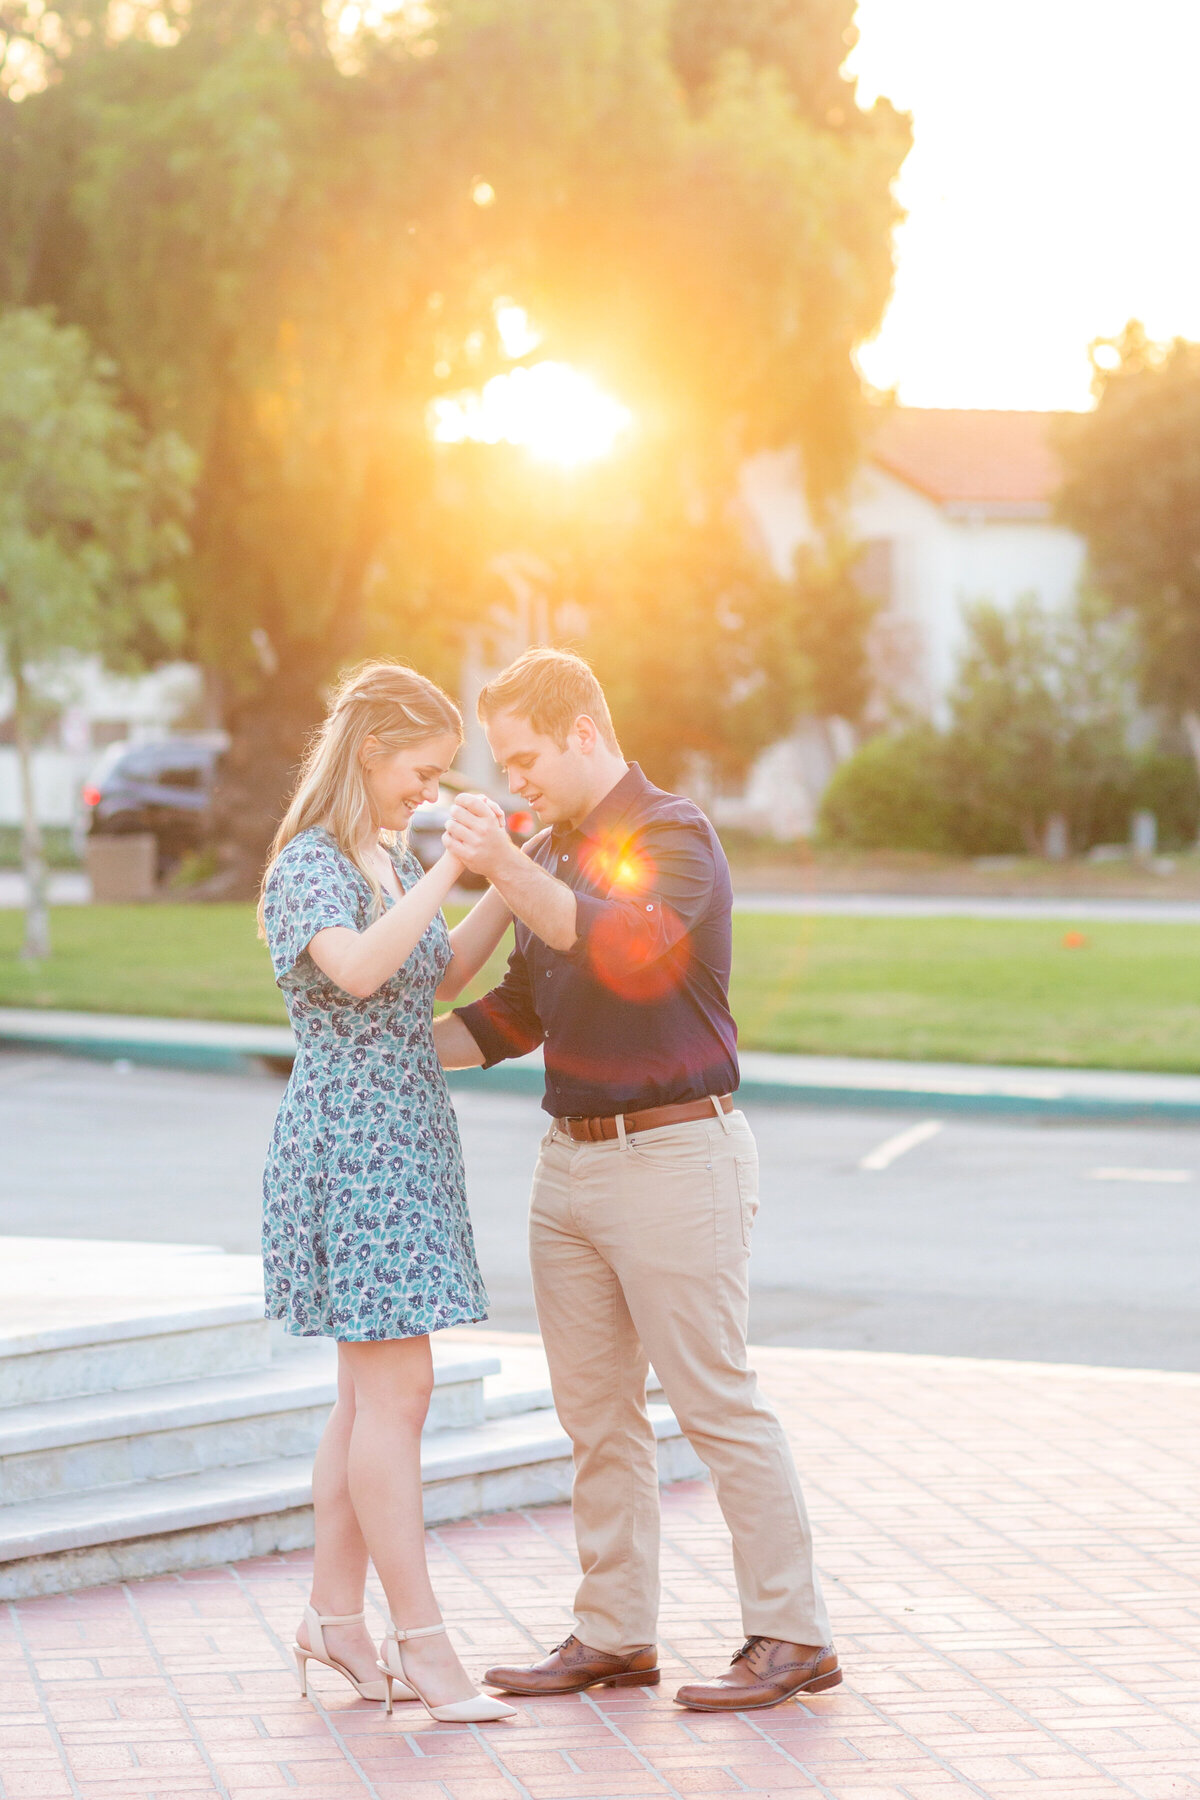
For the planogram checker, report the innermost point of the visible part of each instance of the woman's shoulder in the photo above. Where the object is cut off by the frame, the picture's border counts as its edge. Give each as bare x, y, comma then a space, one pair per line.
313, 852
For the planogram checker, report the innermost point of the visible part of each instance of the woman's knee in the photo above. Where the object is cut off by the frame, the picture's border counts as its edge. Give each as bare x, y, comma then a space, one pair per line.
391, 1379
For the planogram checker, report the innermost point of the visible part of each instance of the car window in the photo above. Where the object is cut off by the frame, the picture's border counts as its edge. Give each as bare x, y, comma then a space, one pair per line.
181, 776
162, 767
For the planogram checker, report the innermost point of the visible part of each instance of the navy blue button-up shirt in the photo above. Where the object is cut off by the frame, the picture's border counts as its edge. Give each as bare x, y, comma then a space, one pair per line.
636, 1013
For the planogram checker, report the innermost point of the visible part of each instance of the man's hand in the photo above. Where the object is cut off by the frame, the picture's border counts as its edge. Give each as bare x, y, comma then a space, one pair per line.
477, 834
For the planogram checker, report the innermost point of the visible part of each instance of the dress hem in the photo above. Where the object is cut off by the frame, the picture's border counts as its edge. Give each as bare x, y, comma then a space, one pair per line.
388, 1337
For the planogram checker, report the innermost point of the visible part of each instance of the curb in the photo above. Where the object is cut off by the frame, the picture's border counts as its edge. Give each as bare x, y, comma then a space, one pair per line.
767, 1078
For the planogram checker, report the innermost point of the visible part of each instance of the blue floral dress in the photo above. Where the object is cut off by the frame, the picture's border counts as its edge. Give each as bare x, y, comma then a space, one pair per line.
366, 1233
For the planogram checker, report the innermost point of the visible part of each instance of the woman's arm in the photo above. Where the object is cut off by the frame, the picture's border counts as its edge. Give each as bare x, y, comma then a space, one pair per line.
473, 941
361, 961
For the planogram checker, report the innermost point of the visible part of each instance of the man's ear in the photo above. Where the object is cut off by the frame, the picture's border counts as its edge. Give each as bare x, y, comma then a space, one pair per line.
585, 731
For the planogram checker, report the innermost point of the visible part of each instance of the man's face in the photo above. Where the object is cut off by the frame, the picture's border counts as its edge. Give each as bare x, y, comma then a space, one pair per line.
553, 783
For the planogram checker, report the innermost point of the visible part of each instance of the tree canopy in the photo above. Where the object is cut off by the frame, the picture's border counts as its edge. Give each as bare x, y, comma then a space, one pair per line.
1132, 489
91, 521
290, 227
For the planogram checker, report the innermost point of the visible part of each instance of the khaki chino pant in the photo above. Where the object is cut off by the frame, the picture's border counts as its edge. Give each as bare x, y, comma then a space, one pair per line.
640, 1252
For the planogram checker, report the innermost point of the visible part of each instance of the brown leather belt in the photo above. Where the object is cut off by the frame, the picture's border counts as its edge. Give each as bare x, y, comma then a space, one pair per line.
596, 1131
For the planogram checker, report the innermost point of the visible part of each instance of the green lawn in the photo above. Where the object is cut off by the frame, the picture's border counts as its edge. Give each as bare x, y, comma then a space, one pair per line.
973, 990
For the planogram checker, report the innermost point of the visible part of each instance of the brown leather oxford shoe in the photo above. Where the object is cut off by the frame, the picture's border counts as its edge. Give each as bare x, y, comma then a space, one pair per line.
764, 1672
575, 1666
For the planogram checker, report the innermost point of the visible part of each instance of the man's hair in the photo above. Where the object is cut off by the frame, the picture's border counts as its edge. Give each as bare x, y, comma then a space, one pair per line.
551, 688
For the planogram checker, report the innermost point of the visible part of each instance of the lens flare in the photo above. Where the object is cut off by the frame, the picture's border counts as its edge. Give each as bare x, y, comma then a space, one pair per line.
639, 951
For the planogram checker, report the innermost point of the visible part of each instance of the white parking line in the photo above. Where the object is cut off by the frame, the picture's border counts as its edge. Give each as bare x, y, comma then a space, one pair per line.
886, 1154
1140, 1174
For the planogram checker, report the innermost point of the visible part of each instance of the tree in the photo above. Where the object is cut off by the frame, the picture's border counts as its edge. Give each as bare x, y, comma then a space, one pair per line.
292, 238
1040, 717
1132, 489
1040, 726
91, 513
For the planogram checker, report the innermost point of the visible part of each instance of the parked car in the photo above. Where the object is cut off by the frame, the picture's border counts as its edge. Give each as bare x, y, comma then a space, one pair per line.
164, 787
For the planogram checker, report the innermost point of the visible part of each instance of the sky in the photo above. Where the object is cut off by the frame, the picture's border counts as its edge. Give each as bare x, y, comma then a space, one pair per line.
1053, 189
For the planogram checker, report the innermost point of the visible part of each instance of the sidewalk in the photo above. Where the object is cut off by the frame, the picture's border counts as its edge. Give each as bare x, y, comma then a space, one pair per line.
1010, 1553
1080, 909
790, 1080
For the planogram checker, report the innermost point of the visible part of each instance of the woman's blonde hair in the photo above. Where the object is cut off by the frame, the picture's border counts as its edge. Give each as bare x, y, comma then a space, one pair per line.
384, 700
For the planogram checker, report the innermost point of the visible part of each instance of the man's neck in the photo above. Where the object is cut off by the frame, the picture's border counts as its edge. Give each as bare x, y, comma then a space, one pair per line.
606, 780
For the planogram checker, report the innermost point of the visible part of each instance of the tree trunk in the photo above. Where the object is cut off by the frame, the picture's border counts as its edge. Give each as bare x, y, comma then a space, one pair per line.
33, 862
1191, 726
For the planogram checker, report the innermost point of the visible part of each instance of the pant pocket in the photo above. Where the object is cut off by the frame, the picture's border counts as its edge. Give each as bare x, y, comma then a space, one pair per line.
746, 1169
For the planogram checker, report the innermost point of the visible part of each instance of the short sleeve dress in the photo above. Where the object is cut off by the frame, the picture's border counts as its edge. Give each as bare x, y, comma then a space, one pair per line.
366, 1233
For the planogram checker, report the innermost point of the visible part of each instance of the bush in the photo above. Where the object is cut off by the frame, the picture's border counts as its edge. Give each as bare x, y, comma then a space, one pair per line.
906, 791
1162, 782
891, 795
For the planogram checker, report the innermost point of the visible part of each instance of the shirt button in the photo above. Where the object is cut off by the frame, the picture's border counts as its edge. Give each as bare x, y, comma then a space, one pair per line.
549, 973
564, 857
649, 908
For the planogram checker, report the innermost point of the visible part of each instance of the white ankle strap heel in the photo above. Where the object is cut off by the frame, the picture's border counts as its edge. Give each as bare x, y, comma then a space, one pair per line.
317, 1652
478, 1710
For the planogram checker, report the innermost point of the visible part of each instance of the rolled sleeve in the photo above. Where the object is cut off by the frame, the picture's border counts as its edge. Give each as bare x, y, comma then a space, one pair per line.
505, 1022
663, 888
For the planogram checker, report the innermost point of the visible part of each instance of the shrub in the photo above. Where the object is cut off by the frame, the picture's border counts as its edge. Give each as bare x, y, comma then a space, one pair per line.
891, 795
1158, 781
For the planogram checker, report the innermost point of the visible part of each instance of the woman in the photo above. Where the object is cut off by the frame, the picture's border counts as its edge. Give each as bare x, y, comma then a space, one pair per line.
366, 1236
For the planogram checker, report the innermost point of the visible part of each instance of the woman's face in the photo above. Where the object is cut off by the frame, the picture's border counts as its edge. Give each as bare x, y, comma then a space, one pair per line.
398, 781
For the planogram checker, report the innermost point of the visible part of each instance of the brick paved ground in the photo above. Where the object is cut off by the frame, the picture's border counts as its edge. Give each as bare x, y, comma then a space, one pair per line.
1011, 1554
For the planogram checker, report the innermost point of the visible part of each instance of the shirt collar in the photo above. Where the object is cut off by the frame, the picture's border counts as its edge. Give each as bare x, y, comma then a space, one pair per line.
608, 812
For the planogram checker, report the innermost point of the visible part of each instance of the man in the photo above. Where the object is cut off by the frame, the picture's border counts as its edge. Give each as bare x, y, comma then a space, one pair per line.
646, 1185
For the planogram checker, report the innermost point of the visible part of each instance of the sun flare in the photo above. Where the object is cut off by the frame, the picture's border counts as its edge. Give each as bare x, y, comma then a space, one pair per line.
554, 411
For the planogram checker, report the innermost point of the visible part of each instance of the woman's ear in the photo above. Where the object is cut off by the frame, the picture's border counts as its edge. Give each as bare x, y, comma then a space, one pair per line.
369, 749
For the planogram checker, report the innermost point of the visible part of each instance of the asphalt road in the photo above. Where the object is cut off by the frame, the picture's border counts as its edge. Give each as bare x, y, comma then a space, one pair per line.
974, 1237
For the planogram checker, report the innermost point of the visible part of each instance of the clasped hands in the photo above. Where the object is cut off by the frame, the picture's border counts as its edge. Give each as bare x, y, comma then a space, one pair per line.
477, 833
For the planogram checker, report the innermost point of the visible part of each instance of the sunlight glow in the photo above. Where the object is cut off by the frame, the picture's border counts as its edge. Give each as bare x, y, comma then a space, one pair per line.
556, 413
349, 23
1047, 192
517, 336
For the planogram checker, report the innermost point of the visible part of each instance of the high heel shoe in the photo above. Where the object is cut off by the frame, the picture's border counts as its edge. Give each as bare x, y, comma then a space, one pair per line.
316, 1652
476, 1711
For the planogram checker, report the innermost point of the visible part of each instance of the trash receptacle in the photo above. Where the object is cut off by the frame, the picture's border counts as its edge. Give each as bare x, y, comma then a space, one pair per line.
122, 867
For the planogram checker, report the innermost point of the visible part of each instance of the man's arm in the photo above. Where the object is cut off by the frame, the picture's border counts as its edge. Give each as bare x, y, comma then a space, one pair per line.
455, 1046
660, 888
504, 1023
547, 906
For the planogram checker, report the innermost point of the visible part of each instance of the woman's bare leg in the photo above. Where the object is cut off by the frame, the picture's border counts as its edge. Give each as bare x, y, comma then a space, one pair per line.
339, 1548
392, 1384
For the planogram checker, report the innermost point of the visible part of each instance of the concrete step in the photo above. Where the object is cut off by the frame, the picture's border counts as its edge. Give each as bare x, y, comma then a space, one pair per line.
54, 1447
187, 1521
169, 1343
523, 1383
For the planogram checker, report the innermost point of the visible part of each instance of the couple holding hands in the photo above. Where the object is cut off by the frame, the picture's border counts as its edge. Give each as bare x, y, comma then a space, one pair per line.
643, 1197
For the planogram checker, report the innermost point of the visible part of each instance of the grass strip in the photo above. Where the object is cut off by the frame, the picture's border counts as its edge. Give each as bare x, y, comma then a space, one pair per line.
964, 990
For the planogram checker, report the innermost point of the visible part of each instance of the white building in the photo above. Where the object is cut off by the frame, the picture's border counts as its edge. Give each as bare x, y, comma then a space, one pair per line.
949, 507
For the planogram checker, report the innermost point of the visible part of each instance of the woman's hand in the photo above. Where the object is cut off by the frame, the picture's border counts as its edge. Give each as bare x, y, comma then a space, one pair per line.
472, 800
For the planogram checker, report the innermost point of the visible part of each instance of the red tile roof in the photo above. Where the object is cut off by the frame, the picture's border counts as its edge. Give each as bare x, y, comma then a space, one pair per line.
997, 458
